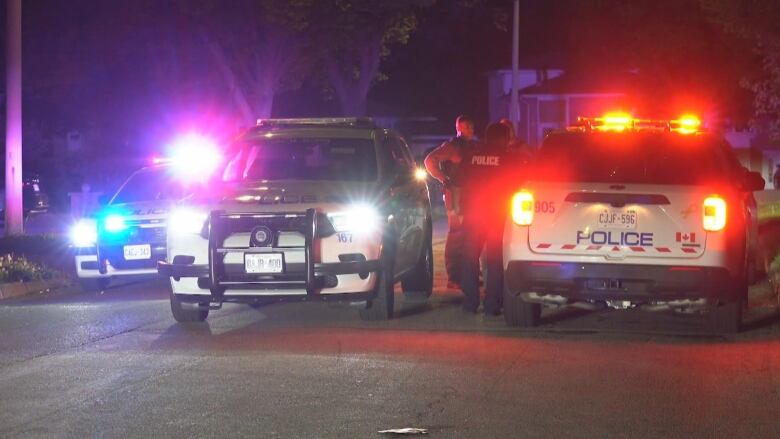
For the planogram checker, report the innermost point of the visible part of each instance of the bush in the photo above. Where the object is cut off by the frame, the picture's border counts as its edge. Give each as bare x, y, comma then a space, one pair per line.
19, 269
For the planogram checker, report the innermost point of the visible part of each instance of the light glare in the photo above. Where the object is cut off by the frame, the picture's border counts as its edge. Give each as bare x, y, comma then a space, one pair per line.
83, 233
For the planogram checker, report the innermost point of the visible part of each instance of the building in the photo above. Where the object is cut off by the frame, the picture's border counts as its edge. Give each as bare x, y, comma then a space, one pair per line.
552, 99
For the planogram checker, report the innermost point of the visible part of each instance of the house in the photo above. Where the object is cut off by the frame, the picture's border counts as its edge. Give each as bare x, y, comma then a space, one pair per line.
552, 99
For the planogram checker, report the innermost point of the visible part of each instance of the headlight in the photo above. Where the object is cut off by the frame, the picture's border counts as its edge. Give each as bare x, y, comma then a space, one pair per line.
359, 219
187, 221
114, 223
84, 233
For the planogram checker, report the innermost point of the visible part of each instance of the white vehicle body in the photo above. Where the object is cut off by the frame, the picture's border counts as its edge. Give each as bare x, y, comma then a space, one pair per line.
136, 240
639, 242
261, 239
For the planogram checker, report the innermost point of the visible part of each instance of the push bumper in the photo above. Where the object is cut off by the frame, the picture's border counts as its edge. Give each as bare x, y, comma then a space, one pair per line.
178, 271
640, 283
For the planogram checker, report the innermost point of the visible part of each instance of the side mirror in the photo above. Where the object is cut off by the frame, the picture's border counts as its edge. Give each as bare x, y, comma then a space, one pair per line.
753, 181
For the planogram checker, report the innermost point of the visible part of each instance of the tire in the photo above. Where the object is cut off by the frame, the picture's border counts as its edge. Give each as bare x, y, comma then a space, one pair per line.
519, 313
94, 284
186, 312
418, 284
726, 318
381, 306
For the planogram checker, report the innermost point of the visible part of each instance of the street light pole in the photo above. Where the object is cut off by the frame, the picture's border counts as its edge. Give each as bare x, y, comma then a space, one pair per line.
514, 108
14, 215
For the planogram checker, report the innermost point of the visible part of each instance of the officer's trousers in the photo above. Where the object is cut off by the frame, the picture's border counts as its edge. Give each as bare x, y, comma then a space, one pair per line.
480, 233
453, 247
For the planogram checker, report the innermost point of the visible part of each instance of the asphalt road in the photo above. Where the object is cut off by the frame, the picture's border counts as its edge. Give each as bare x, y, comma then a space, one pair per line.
116, 364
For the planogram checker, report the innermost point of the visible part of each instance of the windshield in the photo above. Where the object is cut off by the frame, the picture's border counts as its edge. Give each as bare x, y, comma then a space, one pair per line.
149, 185
340, 159
632, 158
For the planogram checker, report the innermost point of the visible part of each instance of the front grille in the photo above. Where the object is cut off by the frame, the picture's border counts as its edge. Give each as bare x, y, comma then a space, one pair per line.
224, 249
111, 244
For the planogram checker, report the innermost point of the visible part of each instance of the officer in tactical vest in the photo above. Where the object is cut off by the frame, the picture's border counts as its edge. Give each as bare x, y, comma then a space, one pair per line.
443, 163
489, 175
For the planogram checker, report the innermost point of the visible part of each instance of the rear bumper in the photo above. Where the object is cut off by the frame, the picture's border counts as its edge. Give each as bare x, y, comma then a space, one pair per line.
640, 283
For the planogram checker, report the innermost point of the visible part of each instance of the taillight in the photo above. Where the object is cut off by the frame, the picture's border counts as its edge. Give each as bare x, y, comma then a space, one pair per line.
714, 210
523, 208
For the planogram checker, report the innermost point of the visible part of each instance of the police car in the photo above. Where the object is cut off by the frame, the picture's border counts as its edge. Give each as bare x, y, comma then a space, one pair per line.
127, 236
305, 209
625, 213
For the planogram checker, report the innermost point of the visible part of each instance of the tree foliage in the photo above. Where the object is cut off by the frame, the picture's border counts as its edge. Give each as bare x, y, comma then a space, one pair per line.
755, 21
352, 38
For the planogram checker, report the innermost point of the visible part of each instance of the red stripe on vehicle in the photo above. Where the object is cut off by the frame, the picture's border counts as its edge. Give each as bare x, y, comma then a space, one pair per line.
594, 247
688, 250
568, 247
637, 249
544, 246
615, 249
664, 249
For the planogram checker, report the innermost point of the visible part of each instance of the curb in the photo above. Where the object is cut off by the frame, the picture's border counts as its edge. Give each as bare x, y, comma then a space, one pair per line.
17, 289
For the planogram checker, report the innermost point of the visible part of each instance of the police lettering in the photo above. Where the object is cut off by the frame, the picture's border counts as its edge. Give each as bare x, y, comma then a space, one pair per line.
615, 238
485, 160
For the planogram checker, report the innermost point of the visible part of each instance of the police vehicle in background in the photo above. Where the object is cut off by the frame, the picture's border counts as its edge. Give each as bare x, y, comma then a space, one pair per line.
306, 209
625, 213
127, 237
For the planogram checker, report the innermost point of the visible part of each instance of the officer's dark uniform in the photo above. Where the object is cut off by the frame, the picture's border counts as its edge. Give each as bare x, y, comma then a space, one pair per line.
489, 176
443, 164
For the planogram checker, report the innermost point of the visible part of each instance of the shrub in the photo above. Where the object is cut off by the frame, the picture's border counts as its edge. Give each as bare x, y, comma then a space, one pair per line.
20, 269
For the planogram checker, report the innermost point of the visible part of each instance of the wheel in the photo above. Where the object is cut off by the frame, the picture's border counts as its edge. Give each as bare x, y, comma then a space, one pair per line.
381, 306
418, 284
188, 312
519, 313
726, 318
91, 285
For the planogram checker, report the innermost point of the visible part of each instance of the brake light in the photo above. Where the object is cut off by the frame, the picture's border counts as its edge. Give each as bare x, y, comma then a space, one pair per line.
523, 208
714, 210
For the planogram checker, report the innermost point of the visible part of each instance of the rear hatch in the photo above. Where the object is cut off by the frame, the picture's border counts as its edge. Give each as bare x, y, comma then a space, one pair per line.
624, 195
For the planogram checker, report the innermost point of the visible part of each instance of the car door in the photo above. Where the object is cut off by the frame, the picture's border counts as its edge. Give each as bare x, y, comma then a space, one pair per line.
403, 191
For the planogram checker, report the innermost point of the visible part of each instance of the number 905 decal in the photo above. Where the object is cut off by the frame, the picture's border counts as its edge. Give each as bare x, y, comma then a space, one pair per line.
544, 207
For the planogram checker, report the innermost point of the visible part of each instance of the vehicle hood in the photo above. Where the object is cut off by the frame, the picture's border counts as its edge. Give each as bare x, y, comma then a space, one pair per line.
151, 210
292, 196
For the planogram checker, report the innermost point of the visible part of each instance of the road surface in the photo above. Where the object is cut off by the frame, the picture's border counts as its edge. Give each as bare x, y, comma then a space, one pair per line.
116, 364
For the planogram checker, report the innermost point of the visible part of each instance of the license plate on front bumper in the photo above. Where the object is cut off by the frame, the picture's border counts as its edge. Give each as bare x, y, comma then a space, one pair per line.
137, 252
255, 263
617, 219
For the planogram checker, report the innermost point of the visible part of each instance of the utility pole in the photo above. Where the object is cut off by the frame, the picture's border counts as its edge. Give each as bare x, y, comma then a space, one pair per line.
514, 107
14, 215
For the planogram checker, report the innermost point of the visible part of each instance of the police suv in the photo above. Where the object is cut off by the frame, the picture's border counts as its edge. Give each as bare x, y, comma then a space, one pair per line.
304, 209
626, 213
127, 236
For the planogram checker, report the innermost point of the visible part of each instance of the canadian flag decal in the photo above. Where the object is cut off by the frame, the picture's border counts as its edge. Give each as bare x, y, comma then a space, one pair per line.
685, 237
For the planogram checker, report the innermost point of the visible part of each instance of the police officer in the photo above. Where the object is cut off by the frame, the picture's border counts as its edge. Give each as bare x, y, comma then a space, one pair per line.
489, 176
442, 163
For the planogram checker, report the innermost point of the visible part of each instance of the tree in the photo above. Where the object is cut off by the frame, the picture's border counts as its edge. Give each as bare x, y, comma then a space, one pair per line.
353, 36
755, 22
258, 46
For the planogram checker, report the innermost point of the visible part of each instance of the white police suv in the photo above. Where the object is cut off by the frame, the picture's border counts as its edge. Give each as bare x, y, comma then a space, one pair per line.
127, 236
305, 209
627, 213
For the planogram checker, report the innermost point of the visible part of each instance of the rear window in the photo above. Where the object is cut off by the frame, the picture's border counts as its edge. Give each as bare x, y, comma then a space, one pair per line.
339, 159
632, 158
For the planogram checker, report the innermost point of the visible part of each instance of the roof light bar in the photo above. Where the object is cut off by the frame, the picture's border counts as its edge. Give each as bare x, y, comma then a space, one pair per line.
619, 122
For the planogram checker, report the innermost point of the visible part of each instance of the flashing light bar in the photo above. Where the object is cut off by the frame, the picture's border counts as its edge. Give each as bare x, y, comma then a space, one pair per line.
620, 121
